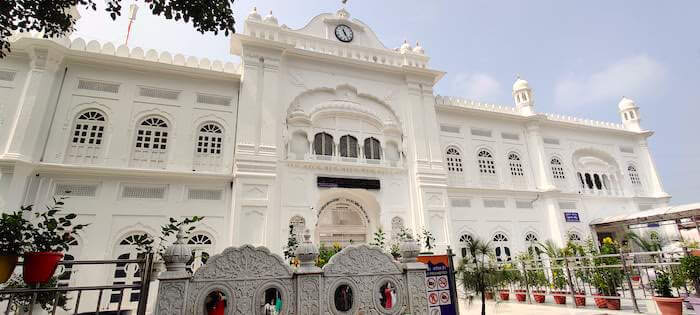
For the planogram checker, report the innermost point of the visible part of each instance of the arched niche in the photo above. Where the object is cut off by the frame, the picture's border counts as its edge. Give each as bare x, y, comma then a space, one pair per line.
346, 213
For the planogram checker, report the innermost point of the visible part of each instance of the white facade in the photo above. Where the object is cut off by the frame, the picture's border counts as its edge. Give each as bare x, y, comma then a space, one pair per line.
138, 137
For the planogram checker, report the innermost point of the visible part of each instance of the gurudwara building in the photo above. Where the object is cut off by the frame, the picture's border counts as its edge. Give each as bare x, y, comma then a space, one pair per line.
322, 128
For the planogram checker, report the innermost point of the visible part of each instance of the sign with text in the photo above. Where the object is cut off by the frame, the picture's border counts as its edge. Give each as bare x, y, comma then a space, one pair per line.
438, 285
571, 217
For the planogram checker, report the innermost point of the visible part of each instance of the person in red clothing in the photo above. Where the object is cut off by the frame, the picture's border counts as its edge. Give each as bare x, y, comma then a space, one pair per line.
216, 303
388, 298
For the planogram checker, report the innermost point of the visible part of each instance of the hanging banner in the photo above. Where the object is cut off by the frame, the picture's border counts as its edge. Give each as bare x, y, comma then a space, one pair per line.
437, 282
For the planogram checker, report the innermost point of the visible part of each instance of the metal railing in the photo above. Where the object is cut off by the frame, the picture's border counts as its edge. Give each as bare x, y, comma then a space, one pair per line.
635, 273
145, 265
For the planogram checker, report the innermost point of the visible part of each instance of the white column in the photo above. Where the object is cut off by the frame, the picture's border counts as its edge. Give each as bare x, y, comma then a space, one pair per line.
538, 157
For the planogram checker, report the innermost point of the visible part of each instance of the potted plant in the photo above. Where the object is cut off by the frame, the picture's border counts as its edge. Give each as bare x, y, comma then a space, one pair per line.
581, 273
692, 246
475, 272
556, 257
538, 280
49, 235
428, 241
607, 274
690, 266
601, 287
521, 280
12, 242
507, 276
667, 303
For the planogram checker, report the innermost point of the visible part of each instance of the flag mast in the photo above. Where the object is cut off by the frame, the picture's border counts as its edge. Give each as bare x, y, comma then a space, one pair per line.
133, 9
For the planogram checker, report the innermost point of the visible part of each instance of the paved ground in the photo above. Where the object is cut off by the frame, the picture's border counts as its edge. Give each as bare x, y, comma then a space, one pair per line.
549, 309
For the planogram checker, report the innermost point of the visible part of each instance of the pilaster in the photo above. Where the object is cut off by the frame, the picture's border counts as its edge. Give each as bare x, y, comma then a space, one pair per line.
538, 157
13, 183
554, 220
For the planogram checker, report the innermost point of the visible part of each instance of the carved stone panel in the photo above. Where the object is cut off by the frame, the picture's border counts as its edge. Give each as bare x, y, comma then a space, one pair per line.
171, 297
417, 292
246, 262
361, 260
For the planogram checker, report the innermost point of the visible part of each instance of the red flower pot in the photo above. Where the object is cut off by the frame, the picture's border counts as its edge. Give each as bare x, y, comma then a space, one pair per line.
504, 295
600, 302
669, 306
612, 303
539, 296
580, 300
559, 297
489, 295
636, 278
521, 297
39, 267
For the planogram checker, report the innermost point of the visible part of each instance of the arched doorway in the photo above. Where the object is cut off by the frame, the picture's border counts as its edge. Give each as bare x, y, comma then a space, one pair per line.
346, 217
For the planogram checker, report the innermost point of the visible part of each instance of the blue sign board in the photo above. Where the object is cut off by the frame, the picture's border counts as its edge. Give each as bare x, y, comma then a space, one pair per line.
571, 217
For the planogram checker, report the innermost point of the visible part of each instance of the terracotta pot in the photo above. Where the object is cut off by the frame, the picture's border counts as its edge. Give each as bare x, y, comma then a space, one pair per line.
7, 267
580, 300
504, 295
635, 278
39, 267
612, 303
695, 252
489, 295
600, 302
521, 297
559, 297
669, 306
539, 296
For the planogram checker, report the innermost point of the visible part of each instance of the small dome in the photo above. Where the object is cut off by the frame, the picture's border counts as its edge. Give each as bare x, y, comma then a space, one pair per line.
270, 19
418, 49
405, 47
343, 14
520, 84
254, 15
626, 103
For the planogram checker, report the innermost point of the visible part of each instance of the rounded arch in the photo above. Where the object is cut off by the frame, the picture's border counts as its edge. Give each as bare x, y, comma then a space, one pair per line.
74, 111
501, 243
140, 116
211, 118
586, 157
361, 202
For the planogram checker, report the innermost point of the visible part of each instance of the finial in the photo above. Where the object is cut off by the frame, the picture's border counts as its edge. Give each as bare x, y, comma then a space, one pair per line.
270, 12
517, 76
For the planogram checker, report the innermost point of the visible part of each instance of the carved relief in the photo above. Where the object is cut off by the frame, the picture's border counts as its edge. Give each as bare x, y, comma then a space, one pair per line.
361, 260
171, 297
246, 262
309, 293
417, 293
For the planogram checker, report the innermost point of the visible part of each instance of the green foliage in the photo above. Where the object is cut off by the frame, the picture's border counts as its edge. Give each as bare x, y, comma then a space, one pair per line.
662, 284
556, 256
53, 18
325, 253
690, 265
13, 228
44, 299
145, 243
50, 231
292, 244
646, 243
379, 239
427, 239
606, 279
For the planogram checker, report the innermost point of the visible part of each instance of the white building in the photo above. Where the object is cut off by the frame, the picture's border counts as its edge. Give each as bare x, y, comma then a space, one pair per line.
322, 127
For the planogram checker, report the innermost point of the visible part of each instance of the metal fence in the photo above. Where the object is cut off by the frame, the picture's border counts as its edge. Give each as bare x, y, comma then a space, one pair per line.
12, 295
636, 272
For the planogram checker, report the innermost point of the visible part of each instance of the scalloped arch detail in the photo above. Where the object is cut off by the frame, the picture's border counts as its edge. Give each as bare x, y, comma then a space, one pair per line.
245, 262
361, 260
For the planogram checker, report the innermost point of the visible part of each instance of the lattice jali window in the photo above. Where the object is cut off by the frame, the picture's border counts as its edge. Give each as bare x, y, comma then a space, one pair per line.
213, 99
209, 148
634, 176
87, 136
98, 86
159, 93
151, 144
557, 170
75, 190
204, 194
143, 191
7, 75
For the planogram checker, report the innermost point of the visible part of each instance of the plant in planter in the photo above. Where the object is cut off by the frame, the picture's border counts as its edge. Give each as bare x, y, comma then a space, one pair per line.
325, 253
581, 274
22, 303
428, 241
379, 239
145, 243
13, 240
49, 235
507, 276
559, 283
667, 303
475, 272
291, 247
690, 266
607, 276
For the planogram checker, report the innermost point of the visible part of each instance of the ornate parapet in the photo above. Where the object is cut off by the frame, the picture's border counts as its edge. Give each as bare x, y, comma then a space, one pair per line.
245, 279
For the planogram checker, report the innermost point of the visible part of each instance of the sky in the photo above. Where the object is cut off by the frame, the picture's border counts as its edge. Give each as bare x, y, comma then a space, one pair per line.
580, 57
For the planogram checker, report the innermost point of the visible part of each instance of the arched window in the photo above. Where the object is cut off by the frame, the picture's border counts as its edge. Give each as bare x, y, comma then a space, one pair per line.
501, 247
589, 181
464, 241
557, 170
323, 144
65, 271
634, 176
209, 147
200, 244
151, 145
373, 150
298, 224
598, 183
531, 242
454, 160
516, 166
574, 237
86, 139
580, 178
127, 273
348, 146
487, 165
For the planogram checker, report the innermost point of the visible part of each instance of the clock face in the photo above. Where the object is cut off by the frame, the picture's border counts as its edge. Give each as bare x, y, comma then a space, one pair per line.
343, 33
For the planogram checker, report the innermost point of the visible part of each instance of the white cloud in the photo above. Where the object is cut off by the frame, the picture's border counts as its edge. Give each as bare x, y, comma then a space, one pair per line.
476, 86
636, 76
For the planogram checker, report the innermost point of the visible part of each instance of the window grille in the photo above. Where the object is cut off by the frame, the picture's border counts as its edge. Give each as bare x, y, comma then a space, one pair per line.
86, 138
450, 129
7, 76
491, 203
510, 136
159, 93
98, 86
530, 238
323, 144
143, 192
204, 194
151, 143
626, 149
348, 146
522, 204
516, 166
552, 141
75, 190
567, 205
634, 175
464, 203
574, 237
501, 247
454, 160
373, 149
487, 166
481, 132
199, 239
213, 99
557, 169
209, 147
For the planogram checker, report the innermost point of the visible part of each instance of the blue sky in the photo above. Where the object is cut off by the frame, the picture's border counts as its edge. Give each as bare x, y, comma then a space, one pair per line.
580, 57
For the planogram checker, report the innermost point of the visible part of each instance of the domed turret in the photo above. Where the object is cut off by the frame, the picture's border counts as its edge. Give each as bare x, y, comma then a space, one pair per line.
418, 49
254, 15
406, 47
270, 19
522, 94
629, 113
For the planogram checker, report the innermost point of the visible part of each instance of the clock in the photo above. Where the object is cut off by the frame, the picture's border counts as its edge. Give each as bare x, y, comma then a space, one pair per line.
343, 33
